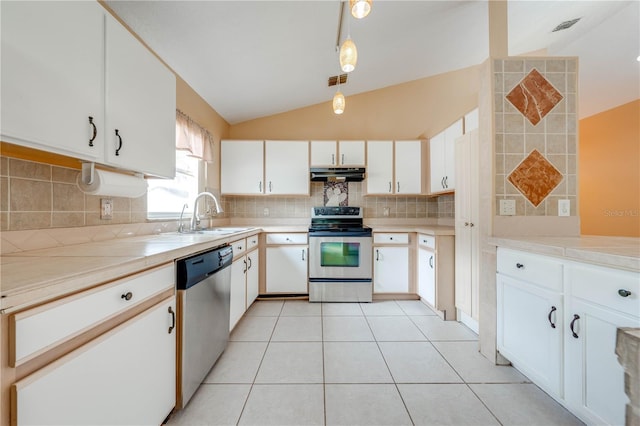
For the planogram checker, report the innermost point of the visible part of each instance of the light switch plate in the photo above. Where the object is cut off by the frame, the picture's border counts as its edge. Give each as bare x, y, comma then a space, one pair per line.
564, 207
106, 208
507, 207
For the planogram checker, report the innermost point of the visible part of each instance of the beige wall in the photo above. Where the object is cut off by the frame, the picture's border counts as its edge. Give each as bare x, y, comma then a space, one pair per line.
417, 109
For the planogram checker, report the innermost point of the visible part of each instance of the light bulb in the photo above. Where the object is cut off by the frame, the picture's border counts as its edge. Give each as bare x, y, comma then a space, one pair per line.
360, 8
338, 102
348, 55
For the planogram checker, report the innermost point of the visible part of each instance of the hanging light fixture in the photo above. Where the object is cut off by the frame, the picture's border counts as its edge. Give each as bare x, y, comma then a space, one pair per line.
360, 8
338, 99
348, 55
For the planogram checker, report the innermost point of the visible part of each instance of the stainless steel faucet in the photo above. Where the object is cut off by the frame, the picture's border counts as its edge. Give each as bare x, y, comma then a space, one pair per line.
195, 220
180, 223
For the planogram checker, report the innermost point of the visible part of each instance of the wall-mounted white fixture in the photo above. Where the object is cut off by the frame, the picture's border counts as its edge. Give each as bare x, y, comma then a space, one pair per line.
101, 182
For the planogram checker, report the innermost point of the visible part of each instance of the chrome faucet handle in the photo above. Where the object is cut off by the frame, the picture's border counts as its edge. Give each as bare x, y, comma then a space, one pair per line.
180, 223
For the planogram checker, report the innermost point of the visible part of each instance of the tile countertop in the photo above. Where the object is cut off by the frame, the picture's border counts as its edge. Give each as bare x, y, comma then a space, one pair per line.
35, 276
615, 252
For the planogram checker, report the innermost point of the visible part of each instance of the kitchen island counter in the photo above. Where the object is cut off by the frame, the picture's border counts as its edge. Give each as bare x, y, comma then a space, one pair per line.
614, 252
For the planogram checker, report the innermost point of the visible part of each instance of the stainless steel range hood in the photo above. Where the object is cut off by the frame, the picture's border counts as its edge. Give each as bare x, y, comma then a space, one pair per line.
337, 174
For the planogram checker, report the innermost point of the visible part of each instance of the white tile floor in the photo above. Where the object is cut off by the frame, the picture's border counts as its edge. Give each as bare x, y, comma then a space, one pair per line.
384, 363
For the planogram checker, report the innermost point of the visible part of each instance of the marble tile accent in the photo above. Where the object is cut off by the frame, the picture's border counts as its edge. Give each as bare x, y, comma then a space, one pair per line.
534, 96
535, 177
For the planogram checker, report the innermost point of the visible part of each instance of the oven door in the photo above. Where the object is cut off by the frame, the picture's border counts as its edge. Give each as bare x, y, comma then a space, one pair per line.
340, 257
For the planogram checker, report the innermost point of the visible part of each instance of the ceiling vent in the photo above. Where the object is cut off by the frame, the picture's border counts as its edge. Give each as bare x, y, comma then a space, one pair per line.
565, 25
333, 80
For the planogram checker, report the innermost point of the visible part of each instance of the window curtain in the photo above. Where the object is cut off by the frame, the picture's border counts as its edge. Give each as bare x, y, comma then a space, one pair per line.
192, 137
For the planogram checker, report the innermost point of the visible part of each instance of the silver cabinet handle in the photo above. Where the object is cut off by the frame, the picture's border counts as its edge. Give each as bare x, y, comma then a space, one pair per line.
431, 262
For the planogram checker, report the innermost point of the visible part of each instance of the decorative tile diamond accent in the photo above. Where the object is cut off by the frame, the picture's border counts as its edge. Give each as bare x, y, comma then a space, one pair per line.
534, 97
535, 177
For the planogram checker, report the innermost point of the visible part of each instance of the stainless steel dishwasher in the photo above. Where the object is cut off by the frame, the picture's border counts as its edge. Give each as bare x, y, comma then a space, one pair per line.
203, 282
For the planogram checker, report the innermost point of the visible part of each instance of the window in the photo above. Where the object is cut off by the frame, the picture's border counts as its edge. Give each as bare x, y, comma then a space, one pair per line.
165, 197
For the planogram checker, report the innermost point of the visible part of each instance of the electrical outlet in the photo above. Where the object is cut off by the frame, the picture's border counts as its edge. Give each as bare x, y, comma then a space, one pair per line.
564, 207
385, 211
507, 207
265, 211
106, 208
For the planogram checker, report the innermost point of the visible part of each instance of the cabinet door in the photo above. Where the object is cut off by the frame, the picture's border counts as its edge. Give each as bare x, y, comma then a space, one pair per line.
594, 377
287, 167
52, 67
391, 269
287, 269
379, 167
529, 334
140, 106
253, 266
241, 167
323, 153
126, 376
466, 235
452, 133
436, 163
408, 167
238, 291
427, 276
351, 153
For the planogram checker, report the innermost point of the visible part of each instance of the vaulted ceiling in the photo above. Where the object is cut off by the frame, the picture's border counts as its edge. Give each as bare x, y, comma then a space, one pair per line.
250, 59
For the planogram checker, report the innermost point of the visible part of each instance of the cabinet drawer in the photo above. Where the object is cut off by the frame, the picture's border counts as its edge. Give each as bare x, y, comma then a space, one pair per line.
239, 247
612, 288
252, 241
427, 241
36, 330
278, 238
389, 238
541, 270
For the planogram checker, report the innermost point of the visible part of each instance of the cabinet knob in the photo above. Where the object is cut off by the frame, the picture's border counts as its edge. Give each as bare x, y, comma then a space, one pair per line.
466, 224
519, 265
471, 224
624, 293
127, 296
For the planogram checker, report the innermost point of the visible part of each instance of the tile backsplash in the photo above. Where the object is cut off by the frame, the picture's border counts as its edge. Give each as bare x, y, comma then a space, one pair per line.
41, 196
536, 109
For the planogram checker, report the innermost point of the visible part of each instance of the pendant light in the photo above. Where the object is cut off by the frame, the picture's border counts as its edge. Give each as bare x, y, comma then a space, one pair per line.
360, 8
338, 100
348, 55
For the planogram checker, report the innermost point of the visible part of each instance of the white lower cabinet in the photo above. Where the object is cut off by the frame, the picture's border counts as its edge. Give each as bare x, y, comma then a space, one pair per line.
530, 331
597, 306
390, 269
287, 263
575, 361
126, 376
244, 278
427, 276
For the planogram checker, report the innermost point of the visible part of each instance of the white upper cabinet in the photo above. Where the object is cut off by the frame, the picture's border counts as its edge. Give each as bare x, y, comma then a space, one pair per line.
394, 167
258, 167
287, 167
52, 73
379, 167
140, 106
342, 153
442, 159
71, 75
242, 167
408, 166
471, 121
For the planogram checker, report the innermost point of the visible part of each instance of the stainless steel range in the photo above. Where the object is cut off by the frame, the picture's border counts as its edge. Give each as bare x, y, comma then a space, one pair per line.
340, 256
